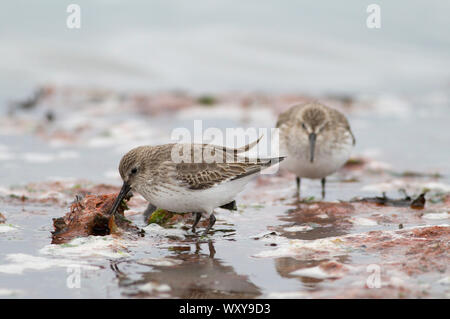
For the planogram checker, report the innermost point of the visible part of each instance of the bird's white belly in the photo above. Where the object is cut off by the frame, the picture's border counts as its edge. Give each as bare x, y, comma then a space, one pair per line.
327, 160
182, 200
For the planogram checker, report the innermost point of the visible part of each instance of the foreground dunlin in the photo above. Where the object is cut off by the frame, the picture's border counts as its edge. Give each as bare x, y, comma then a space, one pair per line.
194, 186
316, 139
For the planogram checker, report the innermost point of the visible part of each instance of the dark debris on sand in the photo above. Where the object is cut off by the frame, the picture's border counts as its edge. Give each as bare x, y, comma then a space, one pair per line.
90, 216
417, 203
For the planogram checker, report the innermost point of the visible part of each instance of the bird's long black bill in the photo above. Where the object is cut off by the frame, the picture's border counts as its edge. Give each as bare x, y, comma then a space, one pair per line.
123, 192
312, 146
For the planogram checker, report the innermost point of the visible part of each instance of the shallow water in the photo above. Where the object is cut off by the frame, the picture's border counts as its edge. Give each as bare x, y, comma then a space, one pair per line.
251, 252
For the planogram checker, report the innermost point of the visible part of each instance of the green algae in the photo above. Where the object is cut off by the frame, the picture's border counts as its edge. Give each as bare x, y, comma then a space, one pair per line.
160, 217
207, 100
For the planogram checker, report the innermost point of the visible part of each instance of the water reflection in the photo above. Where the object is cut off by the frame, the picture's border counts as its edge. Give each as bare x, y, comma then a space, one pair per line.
186, 274
310, 221
285, 266
316, 220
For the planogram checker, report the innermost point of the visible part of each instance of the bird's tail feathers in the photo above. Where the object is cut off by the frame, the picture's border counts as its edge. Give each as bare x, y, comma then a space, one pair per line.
272, 161
249, 146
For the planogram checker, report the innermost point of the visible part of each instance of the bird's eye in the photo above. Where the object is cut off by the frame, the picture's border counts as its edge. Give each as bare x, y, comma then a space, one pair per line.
304, 126
134, 171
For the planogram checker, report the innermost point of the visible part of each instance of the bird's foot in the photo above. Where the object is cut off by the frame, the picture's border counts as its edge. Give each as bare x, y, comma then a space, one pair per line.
196, 220
212, 221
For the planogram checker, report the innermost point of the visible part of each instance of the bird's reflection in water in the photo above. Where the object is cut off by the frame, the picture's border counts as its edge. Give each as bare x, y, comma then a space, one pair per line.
285, 266
323, 219
195, 274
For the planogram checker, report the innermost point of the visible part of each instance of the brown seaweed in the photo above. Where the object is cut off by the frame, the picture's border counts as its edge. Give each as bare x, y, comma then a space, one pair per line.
90, 216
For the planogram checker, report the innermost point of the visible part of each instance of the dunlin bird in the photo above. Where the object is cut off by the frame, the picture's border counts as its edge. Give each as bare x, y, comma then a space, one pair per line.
316, 139
197, 185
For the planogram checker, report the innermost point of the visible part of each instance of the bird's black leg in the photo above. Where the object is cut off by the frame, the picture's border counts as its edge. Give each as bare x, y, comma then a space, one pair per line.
298, 180
323, 187
197, 219
212, 221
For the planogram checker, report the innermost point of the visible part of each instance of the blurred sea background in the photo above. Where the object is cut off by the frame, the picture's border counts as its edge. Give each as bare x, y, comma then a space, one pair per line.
314, 47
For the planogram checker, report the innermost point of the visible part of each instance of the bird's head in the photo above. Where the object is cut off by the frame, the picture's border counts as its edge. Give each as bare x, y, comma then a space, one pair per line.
130, 169
313, 120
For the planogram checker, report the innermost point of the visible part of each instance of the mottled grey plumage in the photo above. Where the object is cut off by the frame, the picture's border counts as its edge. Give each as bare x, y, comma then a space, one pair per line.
209, 177
316, 139
315, 114
155, 163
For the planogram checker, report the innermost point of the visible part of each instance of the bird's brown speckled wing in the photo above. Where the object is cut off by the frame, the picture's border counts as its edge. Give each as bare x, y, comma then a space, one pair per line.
206, 175
202, 174
198, 173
